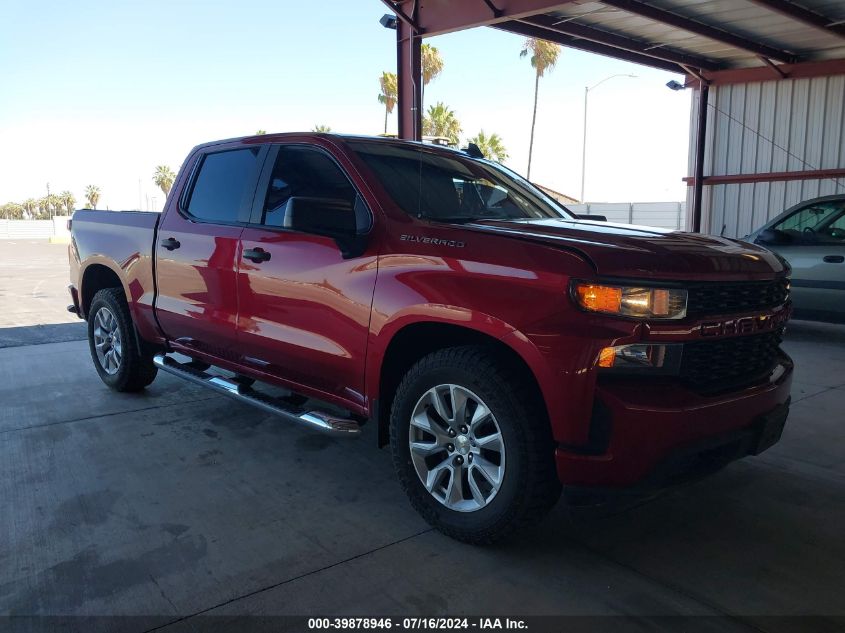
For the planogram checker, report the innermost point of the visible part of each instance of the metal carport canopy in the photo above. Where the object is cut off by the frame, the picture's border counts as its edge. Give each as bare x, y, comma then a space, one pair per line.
711, 42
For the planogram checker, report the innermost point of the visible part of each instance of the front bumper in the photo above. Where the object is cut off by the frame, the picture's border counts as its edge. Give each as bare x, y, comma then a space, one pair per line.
654, 435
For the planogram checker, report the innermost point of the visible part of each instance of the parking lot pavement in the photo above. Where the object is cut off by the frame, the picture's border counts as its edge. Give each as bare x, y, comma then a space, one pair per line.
177, 502
33, 283
180, 503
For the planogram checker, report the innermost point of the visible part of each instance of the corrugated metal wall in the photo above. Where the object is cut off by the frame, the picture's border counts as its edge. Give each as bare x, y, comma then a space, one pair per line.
786, 125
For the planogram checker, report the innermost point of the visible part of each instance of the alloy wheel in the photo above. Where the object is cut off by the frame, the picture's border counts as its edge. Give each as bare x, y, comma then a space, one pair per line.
107, 341
457, 448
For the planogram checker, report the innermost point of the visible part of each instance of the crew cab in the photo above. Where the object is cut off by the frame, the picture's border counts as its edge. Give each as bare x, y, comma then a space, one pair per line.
501, 346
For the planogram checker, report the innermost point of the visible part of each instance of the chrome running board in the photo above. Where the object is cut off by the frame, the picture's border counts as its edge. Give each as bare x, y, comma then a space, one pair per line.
322, 421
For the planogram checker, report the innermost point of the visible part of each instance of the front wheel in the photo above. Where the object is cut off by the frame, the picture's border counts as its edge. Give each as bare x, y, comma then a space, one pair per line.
121, 362
472, 446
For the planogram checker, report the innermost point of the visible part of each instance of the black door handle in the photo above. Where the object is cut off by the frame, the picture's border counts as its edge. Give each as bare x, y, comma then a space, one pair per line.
257, 255
834, 259
171, 243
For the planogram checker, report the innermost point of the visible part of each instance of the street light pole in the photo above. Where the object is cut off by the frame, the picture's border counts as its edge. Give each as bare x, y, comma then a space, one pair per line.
584, 137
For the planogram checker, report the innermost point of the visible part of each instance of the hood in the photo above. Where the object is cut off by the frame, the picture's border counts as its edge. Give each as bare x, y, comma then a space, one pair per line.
625, 250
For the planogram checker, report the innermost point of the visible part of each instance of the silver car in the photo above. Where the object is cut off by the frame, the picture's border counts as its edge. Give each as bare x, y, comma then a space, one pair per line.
811, 237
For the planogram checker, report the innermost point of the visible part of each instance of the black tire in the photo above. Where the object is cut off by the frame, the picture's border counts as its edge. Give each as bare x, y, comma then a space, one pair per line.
135, 369
529, 486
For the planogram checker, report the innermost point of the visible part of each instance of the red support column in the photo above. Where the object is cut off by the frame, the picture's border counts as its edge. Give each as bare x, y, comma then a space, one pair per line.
409, 73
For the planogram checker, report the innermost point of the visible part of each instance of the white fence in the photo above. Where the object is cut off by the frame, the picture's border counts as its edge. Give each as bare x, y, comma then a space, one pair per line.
33, 229
666, 215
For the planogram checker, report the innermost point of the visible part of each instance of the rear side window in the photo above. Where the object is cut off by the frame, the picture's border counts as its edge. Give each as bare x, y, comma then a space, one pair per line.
223, 186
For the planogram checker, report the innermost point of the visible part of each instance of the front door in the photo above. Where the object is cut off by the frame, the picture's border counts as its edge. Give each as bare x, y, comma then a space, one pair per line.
197, 252
815, 248
304, 307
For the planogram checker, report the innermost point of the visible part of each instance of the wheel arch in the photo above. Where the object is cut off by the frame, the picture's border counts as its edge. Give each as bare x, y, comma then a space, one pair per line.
95, 277
417, 339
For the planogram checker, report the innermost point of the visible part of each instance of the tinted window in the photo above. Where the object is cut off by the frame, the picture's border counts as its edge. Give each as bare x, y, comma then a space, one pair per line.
451, 186
307, 173
811, 220
223, 185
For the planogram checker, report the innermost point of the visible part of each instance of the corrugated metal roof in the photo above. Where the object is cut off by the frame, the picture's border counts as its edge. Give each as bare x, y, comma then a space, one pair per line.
759, 22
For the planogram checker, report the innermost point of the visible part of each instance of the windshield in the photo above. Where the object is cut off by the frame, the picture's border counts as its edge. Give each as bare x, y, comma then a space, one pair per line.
451, 188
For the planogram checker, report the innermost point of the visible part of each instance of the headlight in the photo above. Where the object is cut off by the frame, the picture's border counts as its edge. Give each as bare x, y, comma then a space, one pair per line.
631, 301
659, 359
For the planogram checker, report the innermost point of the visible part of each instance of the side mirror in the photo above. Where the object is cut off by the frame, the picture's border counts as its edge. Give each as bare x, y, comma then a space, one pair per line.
773, 236
595, 218
347, 223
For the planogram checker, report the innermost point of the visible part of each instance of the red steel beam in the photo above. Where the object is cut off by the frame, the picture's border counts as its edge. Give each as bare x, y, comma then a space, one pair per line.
804, 70
435, 17
530, 30
409, 79
699, 28
803, 15
618, 41
774, 176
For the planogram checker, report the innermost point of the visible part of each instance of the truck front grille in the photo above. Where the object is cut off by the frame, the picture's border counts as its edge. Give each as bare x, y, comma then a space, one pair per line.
717, 298
729, 363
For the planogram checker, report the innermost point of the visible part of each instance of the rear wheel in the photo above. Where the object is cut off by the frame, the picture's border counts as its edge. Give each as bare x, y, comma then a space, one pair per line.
122, 363
471, 445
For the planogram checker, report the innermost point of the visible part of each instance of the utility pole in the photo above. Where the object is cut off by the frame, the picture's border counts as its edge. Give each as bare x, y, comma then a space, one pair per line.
584, 138
48, 202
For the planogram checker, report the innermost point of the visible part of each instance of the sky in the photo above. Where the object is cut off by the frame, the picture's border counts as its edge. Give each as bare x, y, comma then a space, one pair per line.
98, 92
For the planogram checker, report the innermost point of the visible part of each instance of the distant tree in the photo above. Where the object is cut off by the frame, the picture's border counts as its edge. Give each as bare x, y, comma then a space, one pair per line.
92, 195
54, 205
432, 65
43, 208
11, 211
388, 95
491, 146
68, 201
163, 178
322, 128
543, 58
30, 207
261, 132
441, 121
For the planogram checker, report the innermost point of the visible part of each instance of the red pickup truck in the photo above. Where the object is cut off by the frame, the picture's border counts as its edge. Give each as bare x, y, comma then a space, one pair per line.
502, 346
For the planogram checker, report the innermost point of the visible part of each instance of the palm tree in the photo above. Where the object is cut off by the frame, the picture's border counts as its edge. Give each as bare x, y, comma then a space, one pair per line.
432, 65
92, 195
163, 178
12, 211
30, 206
54, 204
261, 132
68, 201
543, 58
441, 121
491, 146
389, 94
322, 128
43, 208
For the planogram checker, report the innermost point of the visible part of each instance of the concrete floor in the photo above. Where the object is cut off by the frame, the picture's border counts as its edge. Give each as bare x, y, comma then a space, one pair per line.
177, 502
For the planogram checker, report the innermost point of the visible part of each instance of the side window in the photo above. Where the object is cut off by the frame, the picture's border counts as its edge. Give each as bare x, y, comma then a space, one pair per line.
806, 222
223, 185
307, 174
835, 231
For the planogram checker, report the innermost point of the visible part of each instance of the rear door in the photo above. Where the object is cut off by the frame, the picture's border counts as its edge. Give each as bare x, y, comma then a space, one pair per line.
304, 306
197, 251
